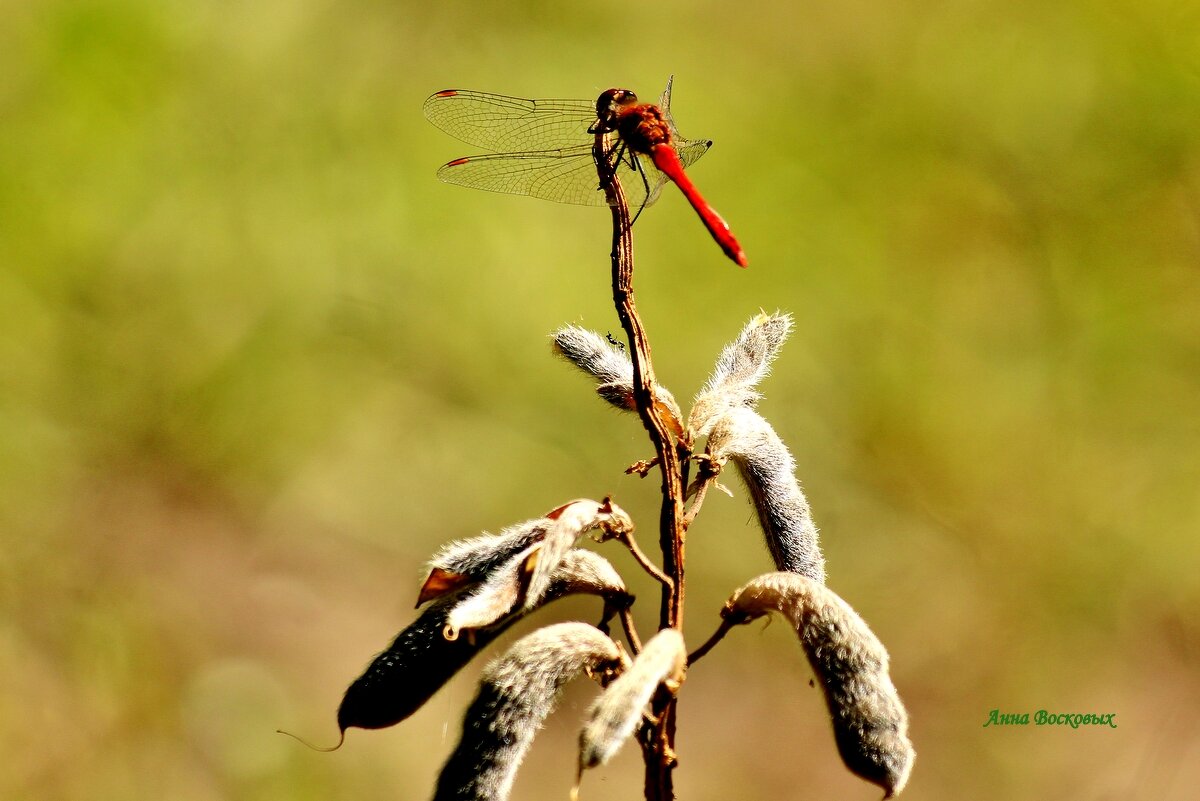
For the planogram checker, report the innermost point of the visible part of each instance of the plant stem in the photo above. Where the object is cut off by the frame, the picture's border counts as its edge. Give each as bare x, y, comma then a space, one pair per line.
658, 732
717, 636
629, 542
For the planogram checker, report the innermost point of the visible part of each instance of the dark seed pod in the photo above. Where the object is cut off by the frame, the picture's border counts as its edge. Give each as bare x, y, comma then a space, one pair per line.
421, 659
870, 723
516, 693
769, 471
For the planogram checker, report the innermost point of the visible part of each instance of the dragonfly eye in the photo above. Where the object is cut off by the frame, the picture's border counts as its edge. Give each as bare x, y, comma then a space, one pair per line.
622, 99
607, 104
612, 99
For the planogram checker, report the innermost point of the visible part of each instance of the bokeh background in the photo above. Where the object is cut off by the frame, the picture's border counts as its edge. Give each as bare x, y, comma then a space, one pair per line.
256, 364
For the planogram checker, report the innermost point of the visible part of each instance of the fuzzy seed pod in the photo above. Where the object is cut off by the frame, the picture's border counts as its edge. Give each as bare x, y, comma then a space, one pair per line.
569, 522
494, 598
465, 562
516, 693
584, 571
767, 467
592, 354
615, 714
870, 724
742, 365
613, 371
421, 659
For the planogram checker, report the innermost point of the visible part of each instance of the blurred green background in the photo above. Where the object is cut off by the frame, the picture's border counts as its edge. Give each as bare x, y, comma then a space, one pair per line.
256, 364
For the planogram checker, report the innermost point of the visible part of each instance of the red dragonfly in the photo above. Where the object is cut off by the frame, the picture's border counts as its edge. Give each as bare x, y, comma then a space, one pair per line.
543, 148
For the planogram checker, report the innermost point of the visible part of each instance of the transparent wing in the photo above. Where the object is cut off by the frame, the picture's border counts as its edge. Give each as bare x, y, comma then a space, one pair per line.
566, 175
689, 150
502, 124
542, 148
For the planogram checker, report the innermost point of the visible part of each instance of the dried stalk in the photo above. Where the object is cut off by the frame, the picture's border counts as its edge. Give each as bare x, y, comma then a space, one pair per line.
658, 735
640, 557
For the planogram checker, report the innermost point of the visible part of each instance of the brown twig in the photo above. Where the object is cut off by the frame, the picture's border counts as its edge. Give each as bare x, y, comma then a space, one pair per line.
626, 539
658, 736
635, 642
718, 635
642, 467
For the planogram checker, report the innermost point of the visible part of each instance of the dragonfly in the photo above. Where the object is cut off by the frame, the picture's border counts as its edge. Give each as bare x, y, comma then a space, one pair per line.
543, 148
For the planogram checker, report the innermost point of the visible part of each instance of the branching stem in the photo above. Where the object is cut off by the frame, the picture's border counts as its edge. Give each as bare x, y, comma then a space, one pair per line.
635, 642
718, 635
658, 735
642, 467
628, 541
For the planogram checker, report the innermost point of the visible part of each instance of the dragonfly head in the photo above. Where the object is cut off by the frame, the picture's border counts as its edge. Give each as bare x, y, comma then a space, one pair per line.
609, 105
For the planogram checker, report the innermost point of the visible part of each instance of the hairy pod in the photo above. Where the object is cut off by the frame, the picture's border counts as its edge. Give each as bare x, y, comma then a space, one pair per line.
464, 562
616, 713
421, 659
870, 724
468, 562
613, 371
742, 365
492, 599
568, 524
594, 355
516, 693
769, 471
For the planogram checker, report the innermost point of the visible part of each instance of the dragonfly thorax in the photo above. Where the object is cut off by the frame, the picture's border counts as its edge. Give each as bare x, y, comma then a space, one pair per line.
642, 127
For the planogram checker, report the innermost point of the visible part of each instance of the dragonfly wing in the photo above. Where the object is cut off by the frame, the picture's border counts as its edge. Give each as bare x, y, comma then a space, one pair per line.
664, 101
542, 148
690, 151
642, 182
563, 176
639, 192
502, 124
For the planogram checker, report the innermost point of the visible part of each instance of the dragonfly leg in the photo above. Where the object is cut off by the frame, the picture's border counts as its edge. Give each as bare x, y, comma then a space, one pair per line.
637, 166
620, 153
613, 160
